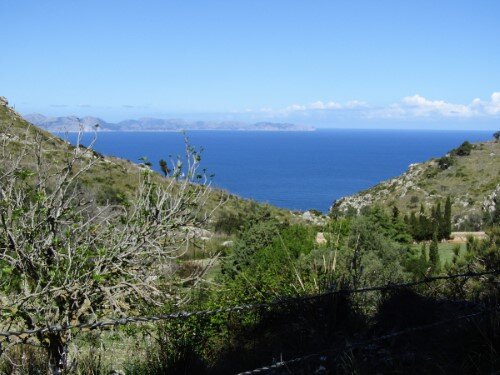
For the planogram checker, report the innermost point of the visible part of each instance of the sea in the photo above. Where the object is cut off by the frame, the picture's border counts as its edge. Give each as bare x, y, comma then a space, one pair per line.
293, 170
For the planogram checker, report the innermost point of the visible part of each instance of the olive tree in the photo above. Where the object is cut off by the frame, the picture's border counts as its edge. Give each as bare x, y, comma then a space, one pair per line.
64, 259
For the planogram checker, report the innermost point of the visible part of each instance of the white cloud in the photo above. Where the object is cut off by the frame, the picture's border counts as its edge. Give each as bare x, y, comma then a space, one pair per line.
418, 106
321, 106
493, 107
295, 108
355, 104
409, 107
329, 105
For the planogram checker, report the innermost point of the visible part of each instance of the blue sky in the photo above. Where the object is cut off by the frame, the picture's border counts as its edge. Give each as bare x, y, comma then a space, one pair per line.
429, 64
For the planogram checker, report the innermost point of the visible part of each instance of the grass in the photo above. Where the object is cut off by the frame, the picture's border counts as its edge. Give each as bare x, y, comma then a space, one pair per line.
445, 251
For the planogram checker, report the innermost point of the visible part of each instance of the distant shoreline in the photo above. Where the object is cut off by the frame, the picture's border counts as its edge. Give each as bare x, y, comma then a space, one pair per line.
186, 130
73, 124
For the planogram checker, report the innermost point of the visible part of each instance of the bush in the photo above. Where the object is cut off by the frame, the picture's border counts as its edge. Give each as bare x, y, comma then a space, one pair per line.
464, 149
445, 162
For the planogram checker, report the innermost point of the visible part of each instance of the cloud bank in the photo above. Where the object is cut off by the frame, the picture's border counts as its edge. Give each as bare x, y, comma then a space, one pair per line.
410, 107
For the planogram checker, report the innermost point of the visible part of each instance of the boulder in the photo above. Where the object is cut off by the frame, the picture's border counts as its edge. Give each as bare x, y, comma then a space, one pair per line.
320, 238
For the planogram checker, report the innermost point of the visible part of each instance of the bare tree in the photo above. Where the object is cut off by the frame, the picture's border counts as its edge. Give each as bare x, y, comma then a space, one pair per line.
65, 260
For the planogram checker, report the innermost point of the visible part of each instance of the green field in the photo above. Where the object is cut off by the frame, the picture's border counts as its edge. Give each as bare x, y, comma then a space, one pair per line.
445, 251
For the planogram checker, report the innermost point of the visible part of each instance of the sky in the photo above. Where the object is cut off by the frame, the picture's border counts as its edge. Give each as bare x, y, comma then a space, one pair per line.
325, 63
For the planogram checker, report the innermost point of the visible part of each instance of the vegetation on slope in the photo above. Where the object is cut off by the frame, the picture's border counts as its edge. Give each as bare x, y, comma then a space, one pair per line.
269, 258
469, 175
111, 179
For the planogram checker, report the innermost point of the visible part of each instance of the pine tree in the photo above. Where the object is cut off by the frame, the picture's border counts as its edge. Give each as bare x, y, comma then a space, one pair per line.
434, 260
447, 218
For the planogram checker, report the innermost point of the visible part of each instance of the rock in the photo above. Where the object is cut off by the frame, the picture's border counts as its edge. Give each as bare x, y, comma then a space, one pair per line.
4, 101
489, 203
198, 232
308, 216
314, 218
320, 238
227, 244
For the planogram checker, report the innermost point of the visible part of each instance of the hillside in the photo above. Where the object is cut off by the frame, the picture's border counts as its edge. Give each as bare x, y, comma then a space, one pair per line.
471, 180
111, 179
259, 275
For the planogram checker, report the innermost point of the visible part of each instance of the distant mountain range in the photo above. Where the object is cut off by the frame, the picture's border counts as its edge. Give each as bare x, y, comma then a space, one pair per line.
73, 124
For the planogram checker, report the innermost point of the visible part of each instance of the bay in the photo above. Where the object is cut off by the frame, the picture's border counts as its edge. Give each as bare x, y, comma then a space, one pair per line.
294, 170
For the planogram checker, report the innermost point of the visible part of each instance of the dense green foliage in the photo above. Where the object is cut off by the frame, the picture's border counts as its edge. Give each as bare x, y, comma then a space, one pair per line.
423, 226
268, 255
270, 260
463, 150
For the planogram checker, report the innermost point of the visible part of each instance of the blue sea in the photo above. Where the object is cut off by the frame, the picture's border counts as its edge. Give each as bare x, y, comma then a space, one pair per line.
295, 170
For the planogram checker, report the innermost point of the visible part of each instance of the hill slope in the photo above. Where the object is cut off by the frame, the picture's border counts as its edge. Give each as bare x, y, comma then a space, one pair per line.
472, 181
110, 179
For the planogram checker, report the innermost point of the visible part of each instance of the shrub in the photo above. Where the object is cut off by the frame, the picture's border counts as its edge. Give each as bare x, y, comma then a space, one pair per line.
445, 162
414, 199
464, 149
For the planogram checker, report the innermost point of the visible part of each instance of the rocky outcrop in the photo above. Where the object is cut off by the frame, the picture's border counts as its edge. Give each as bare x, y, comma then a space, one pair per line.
398, 187
490, 202
313, 218
471, 181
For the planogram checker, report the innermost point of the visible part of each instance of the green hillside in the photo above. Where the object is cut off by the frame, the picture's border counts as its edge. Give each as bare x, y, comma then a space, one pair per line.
290, 285
470, 175
112, 179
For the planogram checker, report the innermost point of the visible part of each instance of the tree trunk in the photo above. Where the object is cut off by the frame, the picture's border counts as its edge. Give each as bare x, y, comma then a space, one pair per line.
58, 354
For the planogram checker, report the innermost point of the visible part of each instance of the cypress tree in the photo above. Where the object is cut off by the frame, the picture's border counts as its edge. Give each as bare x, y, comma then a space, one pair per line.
434, 260
447, 218
395, 213
422, 224
423, 254
438, 221
439, 214
164, 167
422, 263
414, 226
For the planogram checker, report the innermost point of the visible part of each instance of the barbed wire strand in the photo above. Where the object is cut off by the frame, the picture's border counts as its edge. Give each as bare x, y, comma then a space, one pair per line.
365, 343
238, 308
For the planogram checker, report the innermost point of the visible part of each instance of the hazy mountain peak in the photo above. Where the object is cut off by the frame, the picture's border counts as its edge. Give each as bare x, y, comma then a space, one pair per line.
73, 123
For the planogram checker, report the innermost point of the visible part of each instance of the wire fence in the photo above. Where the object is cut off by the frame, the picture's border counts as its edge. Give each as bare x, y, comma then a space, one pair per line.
323, 355
23, 334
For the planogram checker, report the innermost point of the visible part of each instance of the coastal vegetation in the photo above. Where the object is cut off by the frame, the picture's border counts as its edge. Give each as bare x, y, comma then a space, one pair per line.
193, 280
468, 175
